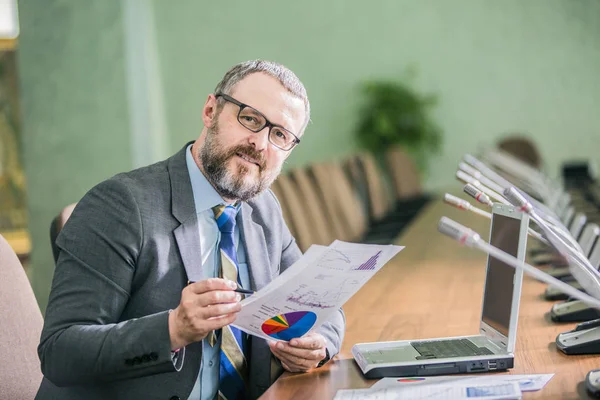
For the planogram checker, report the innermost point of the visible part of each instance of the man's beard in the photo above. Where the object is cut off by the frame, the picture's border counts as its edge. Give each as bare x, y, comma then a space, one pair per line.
239, 184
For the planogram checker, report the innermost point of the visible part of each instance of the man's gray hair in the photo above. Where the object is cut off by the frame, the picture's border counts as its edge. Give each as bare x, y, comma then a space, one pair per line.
285, 76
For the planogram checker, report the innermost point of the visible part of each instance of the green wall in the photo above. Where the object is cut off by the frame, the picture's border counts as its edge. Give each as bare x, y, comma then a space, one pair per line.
529, 66
497, 66
76, 125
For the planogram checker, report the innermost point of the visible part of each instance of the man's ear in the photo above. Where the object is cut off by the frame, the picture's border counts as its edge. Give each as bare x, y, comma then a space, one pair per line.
209, 112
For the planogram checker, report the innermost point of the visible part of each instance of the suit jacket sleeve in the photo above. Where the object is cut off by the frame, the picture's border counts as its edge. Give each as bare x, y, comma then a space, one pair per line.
334, 329
83, 339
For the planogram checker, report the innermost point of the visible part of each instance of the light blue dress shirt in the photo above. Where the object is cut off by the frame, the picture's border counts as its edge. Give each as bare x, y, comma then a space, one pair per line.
205, 198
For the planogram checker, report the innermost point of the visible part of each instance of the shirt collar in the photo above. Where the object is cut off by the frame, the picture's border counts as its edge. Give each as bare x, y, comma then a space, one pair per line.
205, 196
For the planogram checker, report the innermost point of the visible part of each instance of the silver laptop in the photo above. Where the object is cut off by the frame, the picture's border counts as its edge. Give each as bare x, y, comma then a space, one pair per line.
493, 348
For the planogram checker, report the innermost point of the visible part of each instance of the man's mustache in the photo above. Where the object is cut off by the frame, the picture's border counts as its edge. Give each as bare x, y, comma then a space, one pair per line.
250, 153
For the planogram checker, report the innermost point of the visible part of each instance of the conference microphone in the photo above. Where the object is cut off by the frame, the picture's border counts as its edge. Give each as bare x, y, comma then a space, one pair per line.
477, 194
480, 177
466, 178
472, 239
557, 231
500, 181
580, 267
465, 205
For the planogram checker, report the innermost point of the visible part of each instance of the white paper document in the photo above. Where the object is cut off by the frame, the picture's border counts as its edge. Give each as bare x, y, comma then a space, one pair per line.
527, 383
453, 391
310, 291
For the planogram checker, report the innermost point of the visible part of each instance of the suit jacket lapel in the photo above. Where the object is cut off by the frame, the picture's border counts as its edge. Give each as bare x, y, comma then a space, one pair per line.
184, 210
256, 248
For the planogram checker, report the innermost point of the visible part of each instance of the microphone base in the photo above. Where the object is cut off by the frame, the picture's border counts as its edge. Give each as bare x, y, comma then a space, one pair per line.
579, 342
573, 311
553, 293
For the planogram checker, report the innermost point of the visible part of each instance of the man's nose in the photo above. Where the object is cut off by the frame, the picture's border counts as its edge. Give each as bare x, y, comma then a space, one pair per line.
260, 139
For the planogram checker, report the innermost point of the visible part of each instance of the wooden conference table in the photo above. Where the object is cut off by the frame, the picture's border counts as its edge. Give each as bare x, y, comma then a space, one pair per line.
433, 288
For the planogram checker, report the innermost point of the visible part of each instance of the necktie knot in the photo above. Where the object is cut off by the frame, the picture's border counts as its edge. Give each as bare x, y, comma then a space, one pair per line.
225, 217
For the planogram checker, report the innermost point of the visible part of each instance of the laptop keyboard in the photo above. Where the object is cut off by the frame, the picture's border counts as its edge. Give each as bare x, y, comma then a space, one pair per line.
448, 348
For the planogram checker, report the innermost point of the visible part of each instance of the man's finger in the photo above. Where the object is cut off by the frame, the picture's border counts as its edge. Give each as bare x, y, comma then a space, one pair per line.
295, 361
221, 309
217, 297
220, 321
311, 341
307, 354
212, 284
287, 367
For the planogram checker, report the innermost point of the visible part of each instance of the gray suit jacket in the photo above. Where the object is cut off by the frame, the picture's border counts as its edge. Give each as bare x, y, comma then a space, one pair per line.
125, 255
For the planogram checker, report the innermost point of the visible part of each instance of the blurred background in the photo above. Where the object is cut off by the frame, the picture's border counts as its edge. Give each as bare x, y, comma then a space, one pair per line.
92, 88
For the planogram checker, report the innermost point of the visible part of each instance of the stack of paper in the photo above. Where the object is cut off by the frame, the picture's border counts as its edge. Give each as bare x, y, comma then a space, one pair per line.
454, 391
450, 387
311, 290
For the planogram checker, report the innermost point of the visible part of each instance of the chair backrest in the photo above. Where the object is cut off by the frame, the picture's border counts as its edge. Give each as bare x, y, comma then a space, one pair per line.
595, 256
56, 226
569, 216
21, 326
588, 237
404, 172
359, 183
296, 211
341, 202
577, 225
285, 209
523, 149
321, 230
379, 198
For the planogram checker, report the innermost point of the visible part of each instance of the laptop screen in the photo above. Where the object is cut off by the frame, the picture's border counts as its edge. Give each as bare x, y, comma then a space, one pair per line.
498, 293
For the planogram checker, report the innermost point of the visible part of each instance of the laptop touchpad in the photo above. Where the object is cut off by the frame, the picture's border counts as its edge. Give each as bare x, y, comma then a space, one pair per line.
391, 355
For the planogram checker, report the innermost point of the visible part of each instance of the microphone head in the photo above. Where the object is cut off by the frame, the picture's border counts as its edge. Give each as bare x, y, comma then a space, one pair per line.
457, 231
466, 178
469, 170
456, 202
517, 199
477, 194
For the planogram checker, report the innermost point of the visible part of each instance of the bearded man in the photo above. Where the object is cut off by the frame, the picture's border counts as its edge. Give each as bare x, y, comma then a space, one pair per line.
151, 262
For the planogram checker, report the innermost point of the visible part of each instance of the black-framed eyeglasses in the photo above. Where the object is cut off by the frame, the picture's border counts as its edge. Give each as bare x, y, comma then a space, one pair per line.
253, 120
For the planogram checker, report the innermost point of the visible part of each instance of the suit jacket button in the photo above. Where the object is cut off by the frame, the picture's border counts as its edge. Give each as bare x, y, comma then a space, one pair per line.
154, 356
174, 398
146, 358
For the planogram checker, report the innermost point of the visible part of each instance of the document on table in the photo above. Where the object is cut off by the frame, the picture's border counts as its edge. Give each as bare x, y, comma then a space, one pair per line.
454, 391
527, 383
312, 289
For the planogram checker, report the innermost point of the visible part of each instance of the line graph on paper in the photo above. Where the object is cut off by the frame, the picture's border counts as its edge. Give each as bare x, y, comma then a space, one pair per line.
334, 259
323, 297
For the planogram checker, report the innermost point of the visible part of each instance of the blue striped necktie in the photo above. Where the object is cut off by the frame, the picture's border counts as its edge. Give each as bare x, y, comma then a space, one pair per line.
234, 369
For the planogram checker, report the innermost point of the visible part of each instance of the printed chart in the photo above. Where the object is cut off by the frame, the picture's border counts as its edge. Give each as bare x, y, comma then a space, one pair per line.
311, 291
290, 325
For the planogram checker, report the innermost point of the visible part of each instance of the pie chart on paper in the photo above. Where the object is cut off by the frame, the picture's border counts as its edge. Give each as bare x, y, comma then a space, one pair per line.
289, 325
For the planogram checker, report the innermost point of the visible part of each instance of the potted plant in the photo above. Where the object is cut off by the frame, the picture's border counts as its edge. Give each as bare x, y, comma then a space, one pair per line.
394, 114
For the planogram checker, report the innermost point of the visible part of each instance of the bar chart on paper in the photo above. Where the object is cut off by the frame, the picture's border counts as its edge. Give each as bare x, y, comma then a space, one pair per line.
370, 264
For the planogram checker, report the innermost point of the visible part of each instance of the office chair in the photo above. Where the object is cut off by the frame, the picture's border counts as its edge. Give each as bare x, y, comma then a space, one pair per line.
296, 211
523, 149
56, 226
21, 322
319, 221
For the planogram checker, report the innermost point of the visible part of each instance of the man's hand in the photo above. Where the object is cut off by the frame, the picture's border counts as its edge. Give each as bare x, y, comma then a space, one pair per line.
205, 306
301, 354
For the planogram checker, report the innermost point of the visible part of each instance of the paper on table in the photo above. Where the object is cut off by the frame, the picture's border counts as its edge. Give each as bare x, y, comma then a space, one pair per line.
455, 391
311, 290
527, 383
